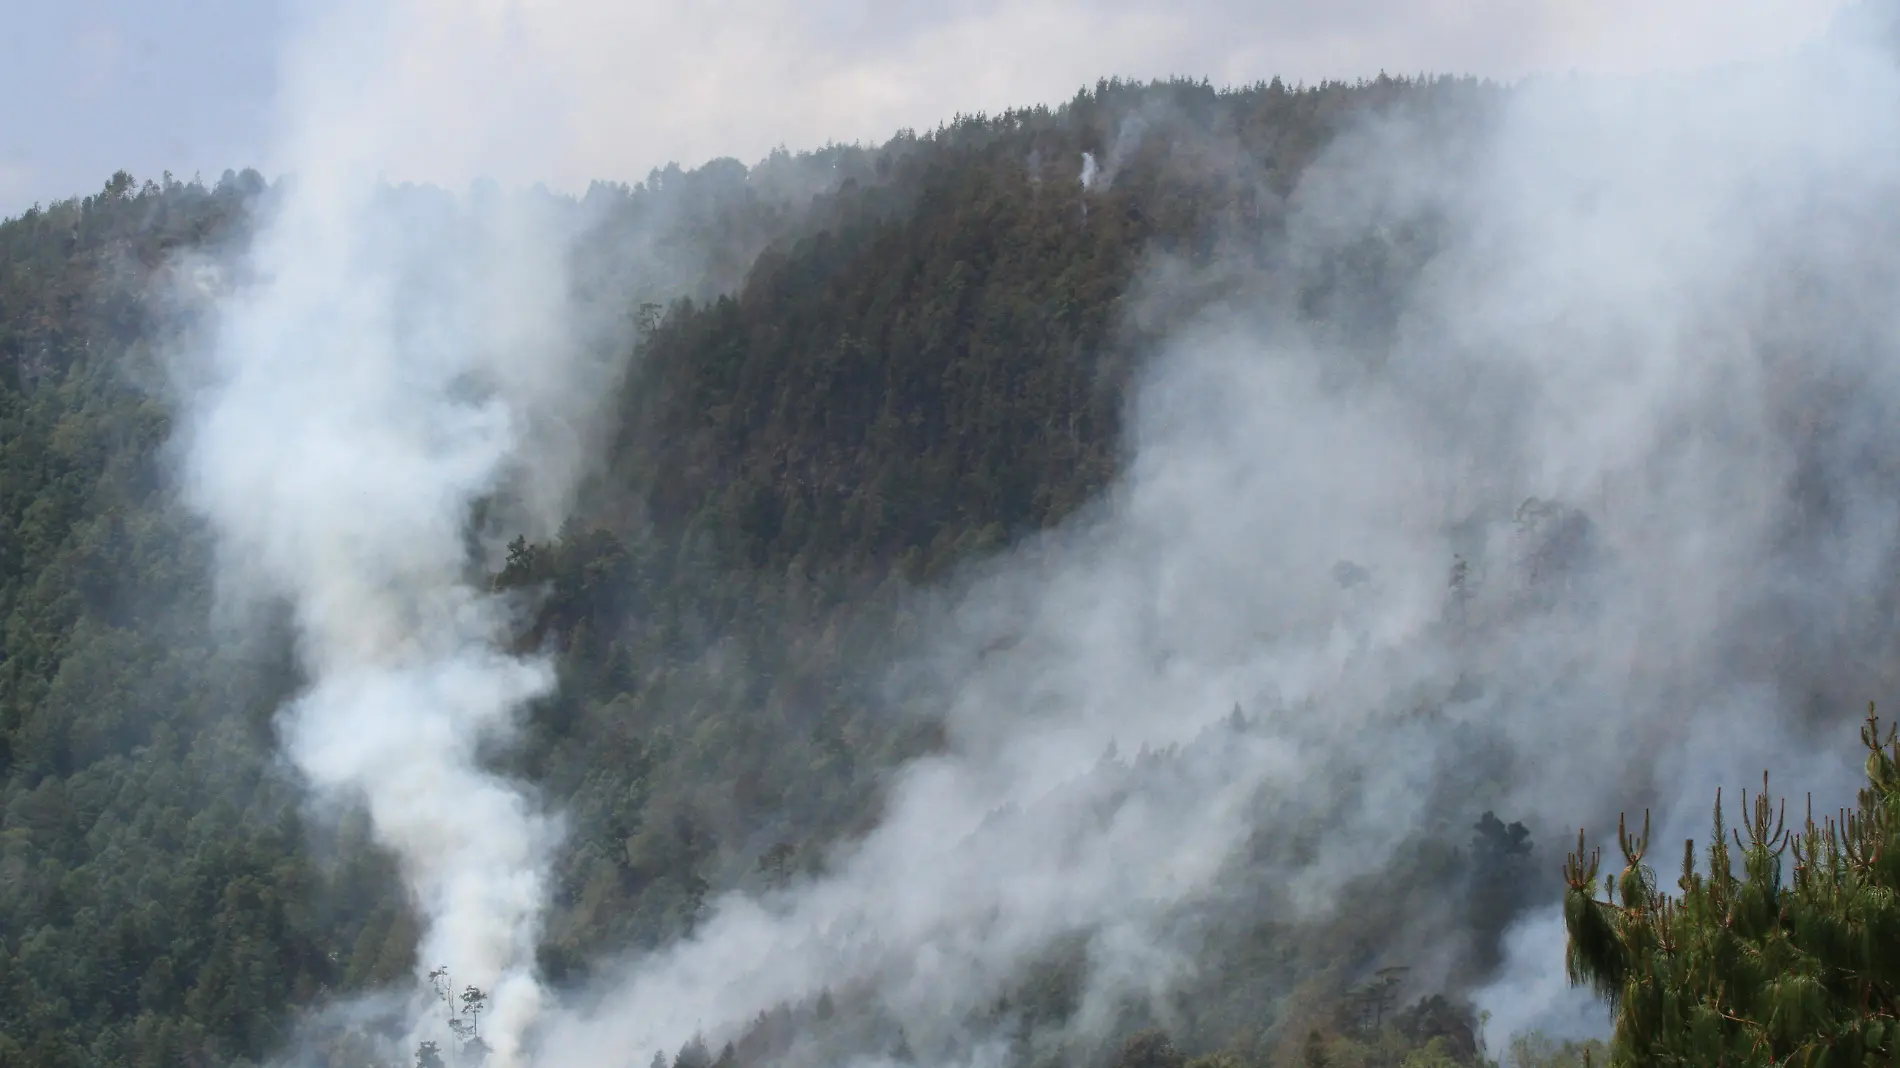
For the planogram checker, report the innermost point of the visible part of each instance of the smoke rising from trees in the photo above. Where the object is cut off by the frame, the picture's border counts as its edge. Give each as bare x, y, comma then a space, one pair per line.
1592, 433
1580, 487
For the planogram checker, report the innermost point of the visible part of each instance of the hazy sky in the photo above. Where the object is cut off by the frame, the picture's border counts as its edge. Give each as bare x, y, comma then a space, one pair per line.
89, 86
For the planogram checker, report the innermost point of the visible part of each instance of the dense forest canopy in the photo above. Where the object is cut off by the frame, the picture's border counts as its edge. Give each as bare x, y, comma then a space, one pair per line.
1272, 546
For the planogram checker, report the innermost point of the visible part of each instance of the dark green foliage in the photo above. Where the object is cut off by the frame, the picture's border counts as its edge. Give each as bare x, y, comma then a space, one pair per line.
164, 903
1501, 883
1795, 959
945, 366
1431, 1033
1539, 1051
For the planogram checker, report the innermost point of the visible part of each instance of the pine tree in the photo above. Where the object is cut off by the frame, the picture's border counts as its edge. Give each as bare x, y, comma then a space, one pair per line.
1765, 967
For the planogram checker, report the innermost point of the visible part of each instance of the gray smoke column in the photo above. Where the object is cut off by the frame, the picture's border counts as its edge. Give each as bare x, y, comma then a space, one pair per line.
386, 357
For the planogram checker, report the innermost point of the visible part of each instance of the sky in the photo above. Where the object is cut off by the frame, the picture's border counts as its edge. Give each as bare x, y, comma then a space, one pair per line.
192, 86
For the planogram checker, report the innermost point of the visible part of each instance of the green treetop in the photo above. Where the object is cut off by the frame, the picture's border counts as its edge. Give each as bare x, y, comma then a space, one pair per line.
1768, 966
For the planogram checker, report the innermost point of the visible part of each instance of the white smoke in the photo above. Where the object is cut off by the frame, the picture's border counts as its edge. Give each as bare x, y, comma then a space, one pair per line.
1098, 176
390, 356
337, 457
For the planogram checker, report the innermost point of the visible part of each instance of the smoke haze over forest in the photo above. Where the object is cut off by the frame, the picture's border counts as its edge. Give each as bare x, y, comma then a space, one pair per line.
1181, 561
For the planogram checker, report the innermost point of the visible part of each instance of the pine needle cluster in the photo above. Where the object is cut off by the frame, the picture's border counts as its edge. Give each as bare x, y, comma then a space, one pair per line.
1785, 952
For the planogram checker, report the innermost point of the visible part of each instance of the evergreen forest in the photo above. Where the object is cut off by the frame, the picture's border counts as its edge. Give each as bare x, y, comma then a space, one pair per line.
854, 378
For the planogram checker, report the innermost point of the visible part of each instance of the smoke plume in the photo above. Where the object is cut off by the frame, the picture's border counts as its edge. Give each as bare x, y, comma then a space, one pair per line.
386, 358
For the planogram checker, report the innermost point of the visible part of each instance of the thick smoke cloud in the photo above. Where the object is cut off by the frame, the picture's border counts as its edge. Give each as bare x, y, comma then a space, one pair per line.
1596, 520
1636, 391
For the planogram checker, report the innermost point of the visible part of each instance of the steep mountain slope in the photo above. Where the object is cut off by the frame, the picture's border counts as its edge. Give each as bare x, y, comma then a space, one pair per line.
851, 372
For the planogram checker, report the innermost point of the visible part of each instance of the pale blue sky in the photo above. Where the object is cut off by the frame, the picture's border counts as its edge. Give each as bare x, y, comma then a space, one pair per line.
90, 86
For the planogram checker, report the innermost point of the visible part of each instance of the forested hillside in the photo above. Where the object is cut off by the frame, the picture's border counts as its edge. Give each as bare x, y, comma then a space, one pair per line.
852, 373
